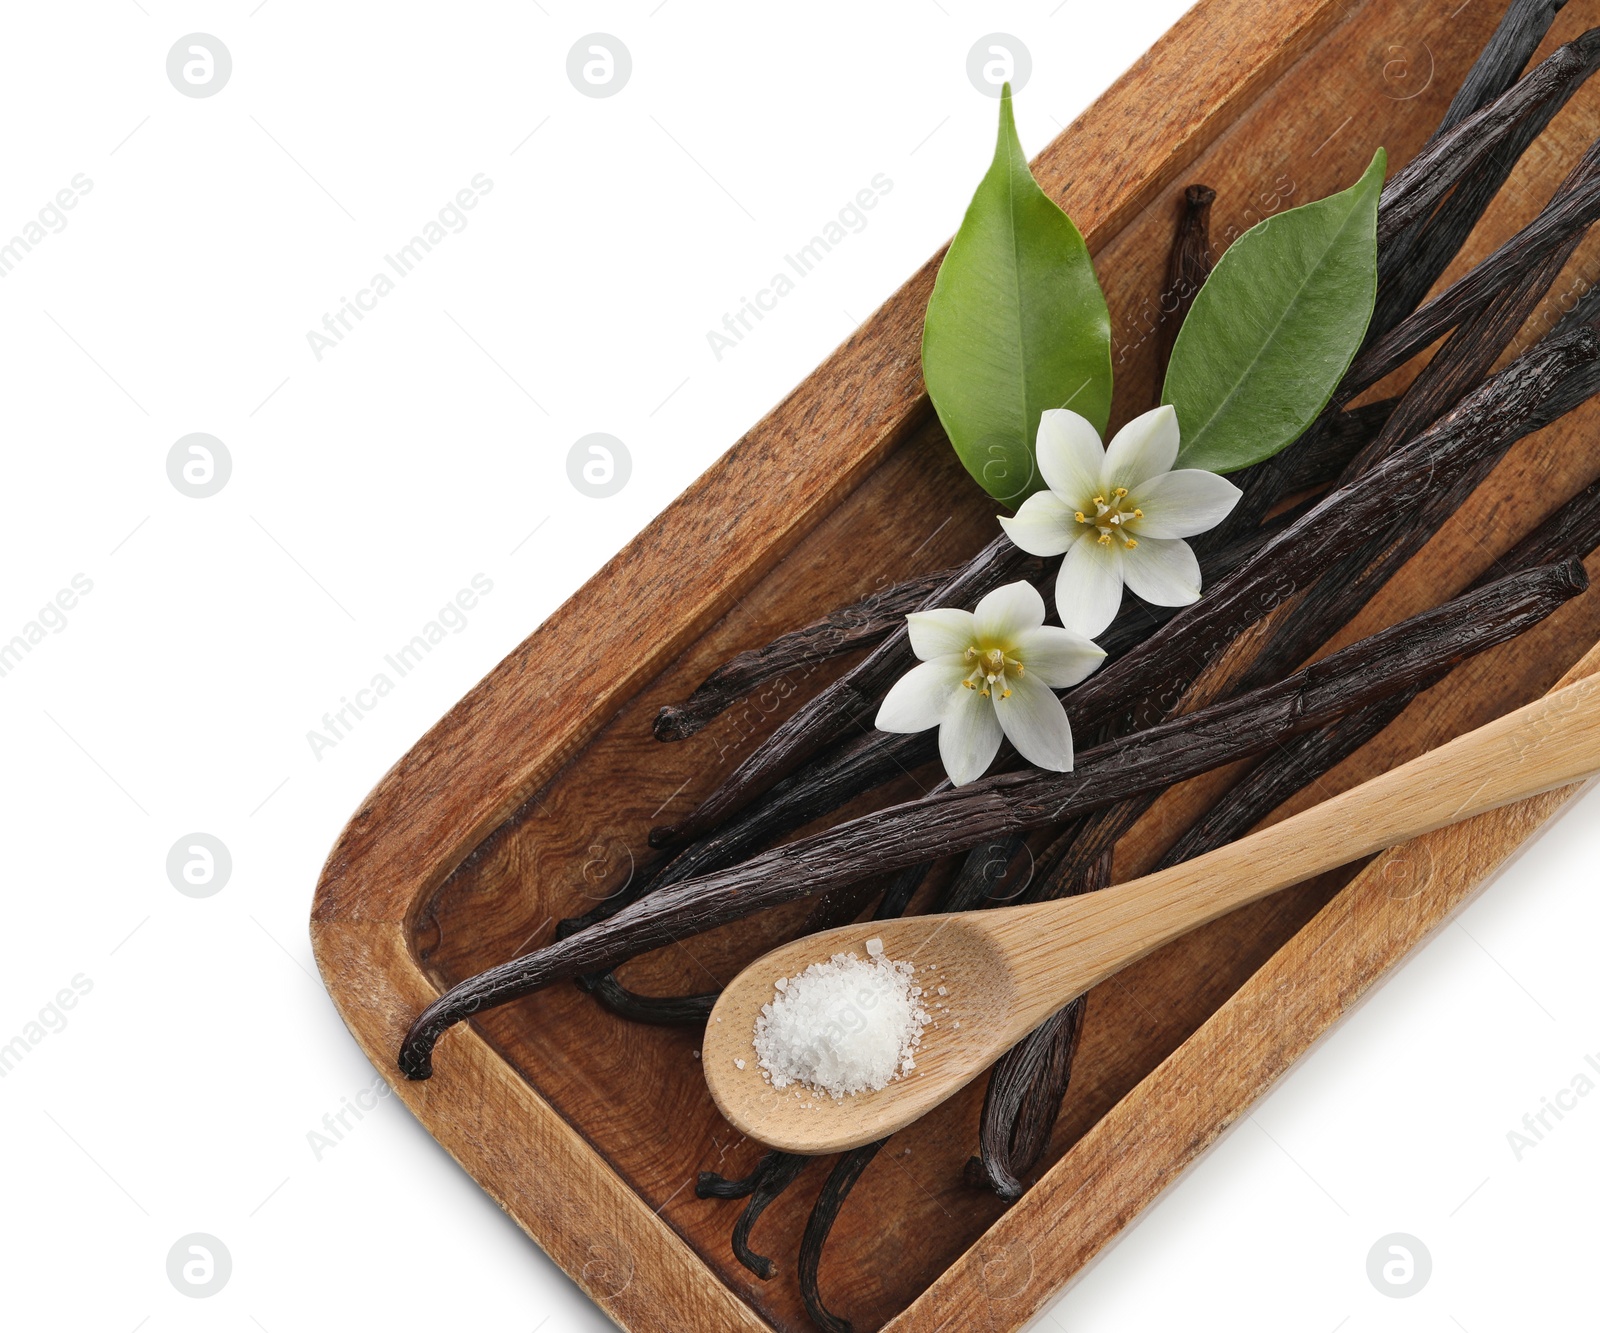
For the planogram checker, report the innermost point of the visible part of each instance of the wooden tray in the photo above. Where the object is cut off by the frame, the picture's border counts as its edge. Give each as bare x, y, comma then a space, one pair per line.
530, 798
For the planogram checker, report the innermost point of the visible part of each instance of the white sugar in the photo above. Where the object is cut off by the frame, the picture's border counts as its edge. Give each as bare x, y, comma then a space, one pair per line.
843, 1026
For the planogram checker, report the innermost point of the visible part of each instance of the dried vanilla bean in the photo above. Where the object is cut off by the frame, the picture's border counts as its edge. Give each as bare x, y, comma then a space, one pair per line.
1005, 803
1321, 452
657, 1010
1023, 1101
841, 906
1463, 156
1028, 1082
1417, 256
1358, 573
1330, 451
983, 868
1416, 189
1188, 267
712, 1185
843, 704
1572, 532
840, 1182
1503, 58
640, 881
852, 767
897, 897
837, 907
862, 624
1586, 310
1468, 355
1137, 620
1572, 209
774, 1173
1302, 761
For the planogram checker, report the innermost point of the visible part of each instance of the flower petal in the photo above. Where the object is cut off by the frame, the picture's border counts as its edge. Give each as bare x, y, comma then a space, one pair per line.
1163, 572
1036, 723
969, 737
921, 698
1057, 657
1007, 611
940, 633
1089, 586
1184, 503
1044, 525
1143, 449
1070, 456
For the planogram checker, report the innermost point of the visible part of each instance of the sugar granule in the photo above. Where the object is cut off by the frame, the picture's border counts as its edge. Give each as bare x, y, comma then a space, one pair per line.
843, 1026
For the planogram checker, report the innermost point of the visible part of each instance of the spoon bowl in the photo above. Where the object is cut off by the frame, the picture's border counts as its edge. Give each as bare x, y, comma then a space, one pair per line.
957, 951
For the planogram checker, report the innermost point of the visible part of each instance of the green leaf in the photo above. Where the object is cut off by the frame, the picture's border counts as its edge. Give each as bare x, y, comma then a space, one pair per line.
1016, 324
1275, 327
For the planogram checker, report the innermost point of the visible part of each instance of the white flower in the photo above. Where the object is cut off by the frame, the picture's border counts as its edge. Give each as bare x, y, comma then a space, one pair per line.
988, 672
1119, 513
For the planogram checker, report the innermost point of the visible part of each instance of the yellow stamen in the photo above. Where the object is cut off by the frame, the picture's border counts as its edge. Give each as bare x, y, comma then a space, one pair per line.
1105, 539
1120, 492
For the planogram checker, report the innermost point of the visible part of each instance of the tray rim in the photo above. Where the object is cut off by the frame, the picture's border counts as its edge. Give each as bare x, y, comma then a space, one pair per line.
464, 776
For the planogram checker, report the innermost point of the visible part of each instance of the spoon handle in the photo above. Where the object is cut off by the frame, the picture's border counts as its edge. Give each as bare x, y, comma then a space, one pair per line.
1551, 742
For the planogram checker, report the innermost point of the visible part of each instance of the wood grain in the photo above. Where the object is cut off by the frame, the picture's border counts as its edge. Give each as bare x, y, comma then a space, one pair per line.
508, 814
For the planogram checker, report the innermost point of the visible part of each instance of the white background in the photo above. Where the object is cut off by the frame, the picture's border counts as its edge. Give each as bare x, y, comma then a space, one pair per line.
429, 446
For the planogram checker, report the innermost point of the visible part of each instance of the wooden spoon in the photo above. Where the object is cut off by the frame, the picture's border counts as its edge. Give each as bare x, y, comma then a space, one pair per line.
1006, 969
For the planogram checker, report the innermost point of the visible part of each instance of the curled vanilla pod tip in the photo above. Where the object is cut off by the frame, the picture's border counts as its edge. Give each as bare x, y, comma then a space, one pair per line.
1188, 267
